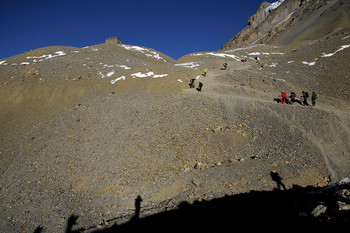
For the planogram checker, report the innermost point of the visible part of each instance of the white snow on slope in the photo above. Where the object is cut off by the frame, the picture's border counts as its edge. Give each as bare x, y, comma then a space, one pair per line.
347, 37
110, 73
192, 65
218, 55
117, 79
274, 5
160, 75
147, 52
2, 62
124, 67
49, 56
254, 54
149, 74
331, 54
309, 63
140, 75
100, 73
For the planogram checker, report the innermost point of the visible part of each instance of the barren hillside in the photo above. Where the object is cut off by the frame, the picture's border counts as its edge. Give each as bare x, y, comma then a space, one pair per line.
111, 138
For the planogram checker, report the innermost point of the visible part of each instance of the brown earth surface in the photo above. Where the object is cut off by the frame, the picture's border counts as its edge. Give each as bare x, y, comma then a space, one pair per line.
73, 144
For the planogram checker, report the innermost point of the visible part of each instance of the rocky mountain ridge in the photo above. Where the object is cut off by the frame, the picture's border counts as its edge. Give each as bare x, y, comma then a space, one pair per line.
293, 22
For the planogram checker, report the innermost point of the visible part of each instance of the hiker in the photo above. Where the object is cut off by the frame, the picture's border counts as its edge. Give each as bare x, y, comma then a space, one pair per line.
292, 97
313, 98
205, 72
192, 83
284, 97
225, 66
200, 85
305, 96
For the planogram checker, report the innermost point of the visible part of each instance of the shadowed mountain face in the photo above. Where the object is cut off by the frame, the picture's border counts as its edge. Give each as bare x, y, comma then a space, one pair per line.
120, 132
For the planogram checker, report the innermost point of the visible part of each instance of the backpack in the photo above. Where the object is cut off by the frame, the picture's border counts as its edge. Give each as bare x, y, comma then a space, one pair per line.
316, 96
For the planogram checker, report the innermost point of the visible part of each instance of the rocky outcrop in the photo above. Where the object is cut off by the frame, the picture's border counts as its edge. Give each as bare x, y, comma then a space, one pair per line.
266, 21
113, 41
285, 22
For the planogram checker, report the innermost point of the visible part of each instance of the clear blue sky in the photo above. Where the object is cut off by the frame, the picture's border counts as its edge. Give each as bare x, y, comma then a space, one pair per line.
173, 27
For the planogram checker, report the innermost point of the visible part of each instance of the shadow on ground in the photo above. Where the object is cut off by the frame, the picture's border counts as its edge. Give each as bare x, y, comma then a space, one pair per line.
298, 209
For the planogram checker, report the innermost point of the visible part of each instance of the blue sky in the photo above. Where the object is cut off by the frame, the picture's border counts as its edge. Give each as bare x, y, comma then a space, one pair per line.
175, 28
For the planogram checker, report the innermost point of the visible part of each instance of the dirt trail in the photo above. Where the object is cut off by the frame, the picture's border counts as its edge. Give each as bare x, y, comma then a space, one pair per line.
311, 125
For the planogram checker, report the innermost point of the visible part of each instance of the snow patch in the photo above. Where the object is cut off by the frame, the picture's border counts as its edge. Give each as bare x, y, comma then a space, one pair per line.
110, 73
290, 62
331, 54
274, 5
273, 65
192, 65
149, 74
49, 56
160, 75
100, 73
147, 52
117, 79
25, 63
309, 63
124, 67
218, 55
179, 80
2, 62
347, 37
140, 75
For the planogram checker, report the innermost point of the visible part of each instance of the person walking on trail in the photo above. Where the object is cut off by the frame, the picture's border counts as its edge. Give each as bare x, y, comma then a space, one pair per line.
305, 97
284, 97
192, 83
225, 66
313, 98
199, 88
205, 72
292, 97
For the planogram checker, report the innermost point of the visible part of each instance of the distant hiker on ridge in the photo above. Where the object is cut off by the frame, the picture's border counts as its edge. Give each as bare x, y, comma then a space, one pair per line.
192, 83
225, 66
305, 96
205, 72
199, 88
284, 97
313, 98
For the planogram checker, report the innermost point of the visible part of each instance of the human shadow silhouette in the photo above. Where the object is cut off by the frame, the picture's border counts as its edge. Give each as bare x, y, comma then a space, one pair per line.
138, 201
257, 211
72, 220
39, 229
276, 177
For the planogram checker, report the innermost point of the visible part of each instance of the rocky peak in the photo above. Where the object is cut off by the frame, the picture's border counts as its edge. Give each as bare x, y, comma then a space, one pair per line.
259, 16
288, 21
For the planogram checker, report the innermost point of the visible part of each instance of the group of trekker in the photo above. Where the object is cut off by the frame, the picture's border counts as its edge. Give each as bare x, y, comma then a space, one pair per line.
200, 84
192, 85
305, 96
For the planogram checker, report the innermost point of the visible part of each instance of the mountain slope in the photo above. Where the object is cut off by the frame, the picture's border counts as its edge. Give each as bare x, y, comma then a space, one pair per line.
93, 131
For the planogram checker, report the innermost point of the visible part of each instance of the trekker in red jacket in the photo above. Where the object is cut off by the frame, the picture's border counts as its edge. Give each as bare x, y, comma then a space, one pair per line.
284, 97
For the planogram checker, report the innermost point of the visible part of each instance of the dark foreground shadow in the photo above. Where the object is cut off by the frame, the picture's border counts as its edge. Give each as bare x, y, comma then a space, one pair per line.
298, 209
